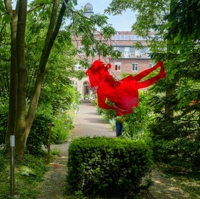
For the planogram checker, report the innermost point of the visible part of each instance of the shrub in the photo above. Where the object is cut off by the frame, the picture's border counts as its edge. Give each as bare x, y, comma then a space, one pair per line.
180, 152
3, 162
3, 122
136, 124
107, 167
175, 141
63, 125
39, 133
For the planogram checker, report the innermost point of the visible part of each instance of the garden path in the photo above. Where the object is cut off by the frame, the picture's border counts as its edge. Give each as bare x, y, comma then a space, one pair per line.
89, 123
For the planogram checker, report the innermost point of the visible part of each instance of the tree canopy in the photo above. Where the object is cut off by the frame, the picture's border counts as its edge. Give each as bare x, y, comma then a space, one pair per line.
176, 25
38, 51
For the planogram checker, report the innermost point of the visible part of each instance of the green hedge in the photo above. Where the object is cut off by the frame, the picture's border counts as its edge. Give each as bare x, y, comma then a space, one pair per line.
107, 167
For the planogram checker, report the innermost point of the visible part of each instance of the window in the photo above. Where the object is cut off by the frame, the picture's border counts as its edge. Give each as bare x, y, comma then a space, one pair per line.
115, 48
136, 37
132, 37
113, 37
126, 37
77, 67
74, 83
148, 52
87, 65
135, 67
137, 52
150, 65
126, 52
118, 66
93, 51
122, 37
81, 50
117, 37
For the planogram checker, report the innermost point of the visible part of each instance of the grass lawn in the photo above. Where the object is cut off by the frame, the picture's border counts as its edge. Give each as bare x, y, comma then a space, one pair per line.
28, 175
186, 179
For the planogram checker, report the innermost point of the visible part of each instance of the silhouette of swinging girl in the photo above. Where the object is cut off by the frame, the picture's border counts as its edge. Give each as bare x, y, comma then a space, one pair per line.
123, 94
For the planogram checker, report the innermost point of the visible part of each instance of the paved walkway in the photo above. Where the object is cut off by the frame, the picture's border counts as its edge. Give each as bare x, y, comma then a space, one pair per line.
89, 123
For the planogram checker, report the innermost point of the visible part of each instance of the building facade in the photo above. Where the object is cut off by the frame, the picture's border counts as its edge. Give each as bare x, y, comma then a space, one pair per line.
132, 60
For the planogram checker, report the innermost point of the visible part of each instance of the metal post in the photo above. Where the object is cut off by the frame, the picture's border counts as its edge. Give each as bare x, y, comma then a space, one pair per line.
12, 165
49, 143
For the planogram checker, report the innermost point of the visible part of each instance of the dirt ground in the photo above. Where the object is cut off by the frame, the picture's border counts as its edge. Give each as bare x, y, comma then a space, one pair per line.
89, 123
55, 180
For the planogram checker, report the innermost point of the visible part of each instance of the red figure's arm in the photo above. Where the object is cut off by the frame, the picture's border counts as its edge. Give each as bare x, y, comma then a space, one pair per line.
154, 79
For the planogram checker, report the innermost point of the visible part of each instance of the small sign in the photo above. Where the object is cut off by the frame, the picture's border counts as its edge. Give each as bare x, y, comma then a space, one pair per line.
12, 140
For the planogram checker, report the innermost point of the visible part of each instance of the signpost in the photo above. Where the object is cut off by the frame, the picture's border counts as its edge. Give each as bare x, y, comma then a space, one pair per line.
12, 165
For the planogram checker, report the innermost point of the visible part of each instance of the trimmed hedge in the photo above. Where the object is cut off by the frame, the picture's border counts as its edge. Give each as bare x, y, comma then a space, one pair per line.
107, 167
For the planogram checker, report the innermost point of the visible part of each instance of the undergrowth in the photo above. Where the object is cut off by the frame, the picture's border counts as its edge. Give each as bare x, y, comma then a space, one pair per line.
28, 175
186, 179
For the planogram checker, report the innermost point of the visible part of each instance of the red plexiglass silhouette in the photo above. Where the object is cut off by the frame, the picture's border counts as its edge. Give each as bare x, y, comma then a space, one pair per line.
123, 94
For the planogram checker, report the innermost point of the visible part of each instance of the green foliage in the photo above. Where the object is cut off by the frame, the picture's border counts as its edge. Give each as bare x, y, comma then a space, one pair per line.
40, 131
119, 119
108, 167
84, 27
188, 23
175, 99
136, 124
186, 179
175, 136
63, 125
95, 101
3, 121
176, 141
3, 162
28, 176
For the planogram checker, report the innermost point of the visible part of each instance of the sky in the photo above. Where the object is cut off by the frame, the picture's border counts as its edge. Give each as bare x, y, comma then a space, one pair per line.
120, 22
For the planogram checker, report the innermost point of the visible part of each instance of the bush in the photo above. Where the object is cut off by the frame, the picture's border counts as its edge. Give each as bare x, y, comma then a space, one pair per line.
180, 152
3, 162
175, 141
136, 124
3, 122
63, 125
107, 167
39, 133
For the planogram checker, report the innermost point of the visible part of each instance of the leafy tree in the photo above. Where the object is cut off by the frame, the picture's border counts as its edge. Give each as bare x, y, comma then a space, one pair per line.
178, 138
184, 19
175, 130
136, 124
30, 54
150, 18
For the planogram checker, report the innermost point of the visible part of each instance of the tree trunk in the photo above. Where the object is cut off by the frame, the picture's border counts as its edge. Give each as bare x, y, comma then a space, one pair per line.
169, 112
13, 83
20, 124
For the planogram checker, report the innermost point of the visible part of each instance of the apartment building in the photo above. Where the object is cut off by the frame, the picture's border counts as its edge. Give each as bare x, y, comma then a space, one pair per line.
132, 60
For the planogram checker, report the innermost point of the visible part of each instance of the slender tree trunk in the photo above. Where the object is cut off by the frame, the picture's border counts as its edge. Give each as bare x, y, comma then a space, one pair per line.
168, 108
51, 36
20, 124
169, 112
22, 79
13, 77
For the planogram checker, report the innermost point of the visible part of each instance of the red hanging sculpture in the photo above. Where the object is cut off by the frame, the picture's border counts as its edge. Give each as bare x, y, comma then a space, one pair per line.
122, 94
